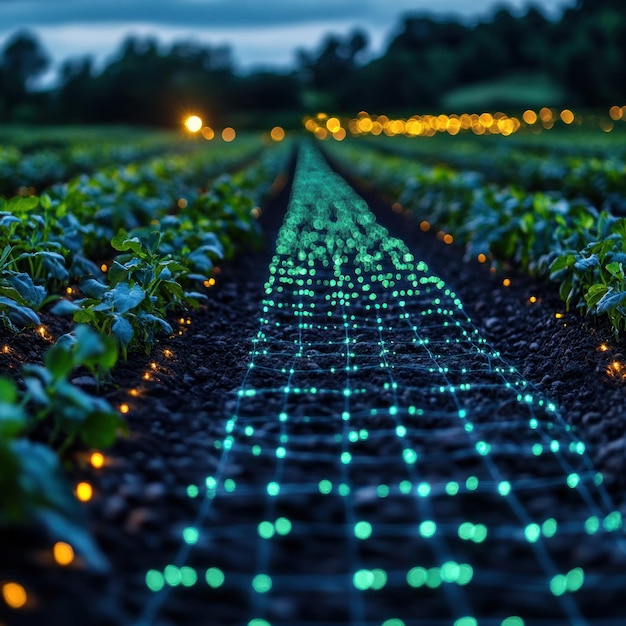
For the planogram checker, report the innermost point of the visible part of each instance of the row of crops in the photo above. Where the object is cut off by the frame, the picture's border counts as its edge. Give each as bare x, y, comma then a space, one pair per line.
560, 217
115, 254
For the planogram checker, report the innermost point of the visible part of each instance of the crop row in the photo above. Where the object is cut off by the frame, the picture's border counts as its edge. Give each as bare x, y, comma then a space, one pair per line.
169, 225
600, 179
544, 234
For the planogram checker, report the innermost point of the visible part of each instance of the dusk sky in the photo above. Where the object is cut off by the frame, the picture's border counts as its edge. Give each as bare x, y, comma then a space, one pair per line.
261, 33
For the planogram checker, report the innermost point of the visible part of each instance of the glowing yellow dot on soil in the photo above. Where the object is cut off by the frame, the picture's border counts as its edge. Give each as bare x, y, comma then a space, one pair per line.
506, 282
134, 393
63, 553
448, 239
168, 354
14, 595
42, 331
6, 349
147, 376
84, 492
558, 316
97, 460
424, 226
532, 299
69, 291
482, 258
603, 347
104, 267
277, 133
124, 408
193, 123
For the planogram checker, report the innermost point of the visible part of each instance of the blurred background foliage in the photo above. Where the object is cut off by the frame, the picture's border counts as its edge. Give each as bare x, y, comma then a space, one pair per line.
508, 62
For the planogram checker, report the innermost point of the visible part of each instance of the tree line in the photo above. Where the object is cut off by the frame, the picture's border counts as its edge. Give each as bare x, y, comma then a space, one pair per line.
582, 54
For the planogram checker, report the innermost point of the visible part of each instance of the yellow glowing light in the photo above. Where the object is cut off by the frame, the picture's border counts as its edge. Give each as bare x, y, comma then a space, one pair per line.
506, 282
448, 239
147, 376
321, 133
207, 132
153, 366
229, 134
168, 354
134, 393
616, 113
63, 553
602, 347
558, 316
182, 203
124, 408
532, 299
104, 267
277, 133
546, 115
193, 123
530, 117
333, 124
84, 492
567, 116
97, 460
607, 126
340, 134
424, 226
14, 595
69, 291
482, 258
256, 212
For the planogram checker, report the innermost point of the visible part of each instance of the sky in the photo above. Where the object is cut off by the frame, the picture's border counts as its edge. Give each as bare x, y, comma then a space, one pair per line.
261, 33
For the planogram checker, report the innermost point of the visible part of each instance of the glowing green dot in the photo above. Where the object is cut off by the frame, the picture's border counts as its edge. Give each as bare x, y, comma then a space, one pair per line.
480, 533
362, 530
471, 483
555, 446
188, 576
382, 491
190, 536
261, 583
483, 448
325, 487
405, 487
592, 525
230, 485
573, 481
466, 531
380, 578
193, 491
514, 620
452, 488
273, 488
575, 579
423, 490
258, 622
346, 457
172, 576
532, 532
504, 488
466, 573
210, 482
549, 528
417, 577
409, 456
344, 490
466, 621
283, 526
613, 521
450, 572
427, 529
558, 585
433, 578
215, 577
537, 449
393, 622
363, 579
155, 580
266, 530
400, 431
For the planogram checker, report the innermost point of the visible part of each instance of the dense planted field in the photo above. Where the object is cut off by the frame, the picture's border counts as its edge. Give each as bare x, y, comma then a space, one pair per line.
238, 392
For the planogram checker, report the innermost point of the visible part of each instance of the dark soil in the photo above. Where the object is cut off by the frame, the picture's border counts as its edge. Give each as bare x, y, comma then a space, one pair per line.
141, 504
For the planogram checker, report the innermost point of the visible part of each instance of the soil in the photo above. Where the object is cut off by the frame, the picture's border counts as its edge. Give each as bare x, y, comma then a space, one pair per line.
186, 389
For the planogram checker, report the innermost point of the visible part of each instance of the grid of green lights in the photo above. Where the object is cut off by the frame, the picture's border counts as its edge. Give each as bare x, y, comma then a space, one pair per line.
367, 372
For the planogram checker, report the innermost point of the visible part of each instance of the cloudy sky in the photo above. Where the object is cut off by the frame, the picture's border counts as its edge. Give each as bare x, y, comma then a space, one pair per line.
261, 32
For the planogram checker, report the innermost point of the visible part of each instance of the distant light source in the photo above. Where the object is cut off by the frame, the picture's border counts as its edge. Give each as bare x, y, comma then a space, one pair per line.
193, 123
277, 133
229, 134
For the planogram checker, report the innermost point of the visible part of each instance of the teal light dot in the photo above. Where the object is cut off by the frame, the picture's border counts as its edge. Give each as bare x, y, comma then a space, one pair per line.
256, 450
393, 622
172, 576
382, 491
558, 585
188, 576
575, 579
450, 572
273, 488
283, 526
466, 621
532, 532
230, 485
466, 531
190, 536
344, 490
573, 481
537, 449
400, 431
193, 491
452, 488
423, 490
480, 533
266, 530
362, 530
258, 622
155, 580
346, 457
380, 579
613, 521
504, 488
325, 486
427, 529
363, 579
405, 487
417, 577
214, 577
471, 483
483, 448
592, 525
261, 583
409, 456
433, 578
466, 573
549, 527
514, 620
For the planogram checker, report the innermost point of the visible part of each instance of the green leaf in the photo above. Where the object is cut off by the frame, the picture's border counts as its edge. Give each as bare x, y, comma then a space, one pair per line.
93, 288
32, 294
123, 242
19, 315
65, 307
611, 300
123, 330
100, 429
59, 360
126, 298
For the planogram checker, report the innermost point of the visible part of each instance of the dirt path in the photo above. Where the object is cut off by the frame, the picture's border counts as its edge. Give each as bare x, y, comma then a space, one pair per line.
359, 455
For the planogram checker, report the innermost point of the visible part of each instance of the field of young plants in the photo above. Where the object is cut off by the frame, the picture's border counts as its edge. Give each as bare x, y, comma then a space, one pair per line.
278, 381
